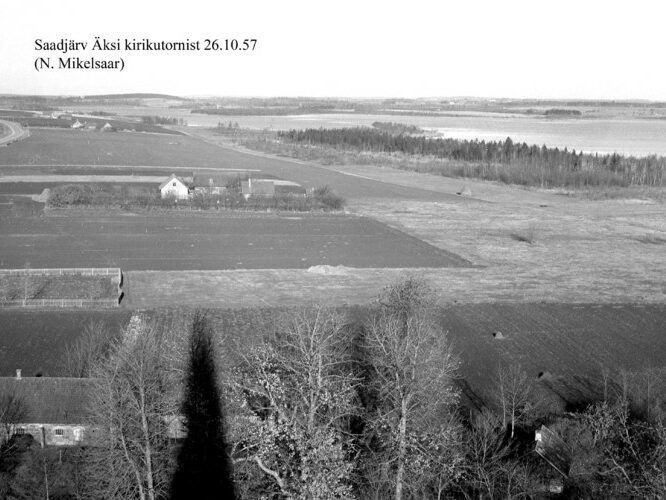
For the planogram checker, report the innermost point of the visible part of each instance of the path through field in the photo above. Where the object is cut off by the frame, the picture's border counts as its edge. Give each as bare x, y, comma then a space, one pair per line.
14, 132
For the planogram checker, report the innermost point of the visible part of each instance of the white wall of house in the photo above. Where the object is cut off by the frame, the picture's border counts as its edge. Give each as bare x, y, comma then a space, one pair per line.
52, 434
175, 189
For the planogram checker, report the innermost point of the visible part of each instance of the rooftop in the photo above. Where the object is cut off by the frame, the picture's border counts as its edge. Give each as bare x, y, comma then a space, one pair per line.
50, 400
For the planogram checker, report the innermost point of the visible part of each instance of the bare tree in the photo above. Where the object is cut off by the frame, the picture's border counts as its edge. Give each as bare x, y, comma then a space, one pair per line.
137, 394
90, 349
13, 411
515, 396
414, 366
293, 396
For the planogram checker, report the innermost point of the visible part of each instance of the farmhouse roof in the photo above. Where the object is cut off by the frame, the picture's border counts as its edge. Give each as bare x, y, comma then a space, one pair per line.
173, 177
210, 179
50, 400
259, 186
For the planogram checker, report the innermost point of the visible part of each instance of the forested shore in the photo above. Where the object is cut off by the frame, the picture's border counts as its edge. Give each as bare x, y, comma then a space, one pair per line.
505, 161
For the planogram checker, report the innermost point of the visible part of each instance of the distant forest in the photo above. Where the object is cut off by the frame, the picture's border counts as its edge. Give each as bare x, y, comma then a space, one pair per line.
506, 161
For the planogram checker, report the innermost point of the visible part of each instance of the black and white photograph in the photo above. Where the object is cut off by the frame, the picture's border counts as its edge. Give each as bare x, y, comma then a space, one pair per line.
332, 250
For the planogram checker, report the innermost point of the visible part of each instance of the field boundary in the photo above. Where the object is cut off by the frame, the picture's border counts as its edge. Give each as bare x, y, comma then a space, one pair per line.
62, 303
114, 273
16, 133
62, 271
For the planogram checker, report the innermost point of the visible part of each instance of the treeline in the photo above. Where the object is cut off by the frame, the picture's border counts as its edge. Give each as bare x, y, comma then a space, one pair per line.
322, 198
324, 404
504, 161
268, 111
562, 112
162, 120
397, 128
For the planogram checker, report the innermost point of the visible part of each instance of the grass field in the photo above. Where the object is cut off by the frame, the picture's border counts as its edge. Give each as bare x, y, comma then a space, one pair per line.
181, 154
36, 341
29, 187
568, 344
222, 240
57, 287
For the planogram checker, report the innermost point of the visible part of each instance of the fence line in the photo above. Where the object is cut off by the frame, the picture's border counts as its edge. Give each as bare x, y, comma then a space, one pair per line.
113, 272
81, 271
60, 303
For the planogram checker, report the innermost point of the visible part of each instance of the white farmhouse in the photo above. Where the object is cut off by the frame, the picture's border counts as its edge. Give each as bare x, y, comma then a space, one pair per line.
174, 187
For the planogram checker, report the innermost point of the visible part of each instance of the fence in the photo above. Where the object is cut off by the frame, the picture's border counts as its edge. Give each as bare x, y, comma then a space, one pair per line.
60, 303
80, 271
114, 272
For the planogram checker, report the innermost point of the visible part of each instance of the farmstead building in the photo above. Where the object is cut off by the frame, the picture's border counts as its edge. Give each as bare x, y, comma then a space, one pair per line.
51, 409
54, 411
258, 187
174, 187
210, 182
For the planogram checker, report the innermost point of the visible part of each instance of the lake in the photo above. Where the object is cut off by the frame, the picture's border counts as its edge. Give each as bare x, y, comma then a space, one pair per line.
639, 137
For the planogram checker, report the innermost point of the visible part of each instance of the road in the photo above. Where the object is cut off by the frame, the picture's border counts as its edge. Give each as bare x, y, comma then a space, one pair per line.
16, 132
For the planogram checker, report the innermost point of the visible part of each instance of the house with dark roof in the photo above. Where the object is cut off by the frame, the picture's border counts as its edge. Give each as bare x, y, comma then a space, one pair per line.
54, 411
209, 182
51, 409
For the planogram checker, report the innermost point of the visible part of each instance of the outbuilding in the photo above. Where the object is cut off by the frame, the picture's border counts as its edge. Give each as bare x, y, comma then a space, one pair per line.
258, 187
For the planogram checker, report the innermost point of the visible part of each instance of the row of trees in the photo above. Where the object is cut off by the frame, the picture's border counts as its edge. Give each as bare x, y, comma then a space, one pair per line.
527, 164
148, 197
162, 120
323, 407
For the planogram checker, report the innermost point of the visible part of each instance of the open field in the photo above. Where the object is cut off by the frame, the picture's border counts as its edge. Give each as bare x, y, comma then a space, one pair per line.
57, 287
36, 341
568, 344
36, 187
222, 240
535, 245
183, 154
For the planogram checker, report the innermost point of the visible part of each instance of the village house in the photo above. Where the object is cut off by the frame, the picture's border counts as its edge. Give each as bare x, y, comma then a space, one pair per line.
107, 127
175, 187
51, 409
54, 410
210, 183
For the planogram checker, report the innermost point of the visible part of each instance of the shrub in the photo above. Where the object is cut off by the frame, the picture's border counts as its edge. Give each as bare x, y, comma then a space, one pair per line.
328, 198
70, 194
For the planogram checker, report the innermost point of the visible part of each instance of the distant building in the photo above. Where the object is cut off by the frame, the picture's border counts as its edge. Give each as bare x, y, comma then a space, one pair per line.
51, 409
175, 187
107, 127
210, 182
271, 187
258, 187
77, 124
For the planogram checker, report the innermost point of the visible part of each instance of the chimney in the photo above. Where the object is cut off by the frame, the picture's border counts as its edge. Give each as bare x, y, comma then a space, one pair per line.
18, 374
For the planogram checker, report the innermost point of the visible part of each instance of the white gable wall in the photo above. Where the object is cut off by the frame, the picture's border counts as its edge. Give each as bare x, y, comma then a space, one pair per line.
175, 189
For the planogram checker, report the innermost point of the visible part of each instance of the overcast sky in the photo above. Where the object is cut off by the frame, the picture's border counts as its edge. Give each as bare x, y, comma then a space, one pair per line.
511, 48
